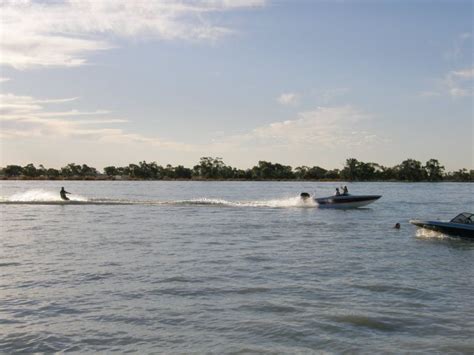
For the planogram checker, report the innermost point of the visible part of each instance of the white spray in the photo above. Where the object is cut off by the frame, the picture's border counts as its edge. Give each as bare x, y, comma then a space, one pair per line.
39, 195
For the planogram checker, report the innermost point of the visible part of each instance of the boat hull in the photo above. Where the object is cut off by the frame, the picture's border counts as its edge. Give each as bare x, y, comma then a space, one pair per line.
449, 228
345, 202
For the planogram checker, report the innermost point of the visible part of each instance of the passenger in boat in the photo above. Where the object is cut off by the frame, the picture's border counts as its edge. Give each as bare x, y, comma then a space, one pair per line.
63, 193
345, 191
337, 192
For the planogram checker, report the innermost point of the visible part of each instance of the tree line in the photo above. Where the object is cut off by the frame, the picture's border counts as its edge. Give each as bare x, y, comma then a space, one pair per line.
209, 168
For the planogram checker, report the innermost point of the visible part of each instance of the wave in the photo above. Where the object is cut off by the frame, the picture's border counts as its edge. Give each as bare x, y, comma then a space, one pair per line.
38, 195
423, 233
276, 203
42, 197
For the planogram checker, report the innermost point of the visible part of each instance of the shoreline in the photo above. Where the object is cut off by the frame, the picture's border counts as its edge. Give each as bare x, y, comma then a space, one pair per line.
216, 180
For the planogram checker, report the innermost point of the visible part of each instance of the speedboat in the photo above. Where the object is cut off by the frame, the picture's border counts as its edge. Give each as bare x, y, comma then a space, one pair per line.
462, 225
343, 201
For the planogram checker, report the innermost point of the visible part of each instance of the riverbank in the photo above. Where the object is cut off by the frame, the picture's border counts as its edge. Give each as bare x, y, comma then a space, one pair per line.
107, 178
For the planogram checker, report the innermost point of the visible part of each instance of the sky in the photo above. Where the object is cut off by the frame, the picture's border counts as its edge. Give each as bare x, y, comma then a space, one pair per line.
112, 82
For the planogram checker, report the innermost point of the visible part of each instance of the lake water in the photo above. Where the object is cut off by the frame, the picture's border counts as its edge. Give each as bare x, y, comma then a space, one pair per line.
232, 267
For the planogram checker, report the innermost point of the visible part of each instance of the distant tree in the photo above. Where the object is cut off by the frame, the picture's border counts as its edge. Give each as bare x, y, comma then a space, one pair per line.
71, 170
316, 173
300, 172
180, 172
144, 170
30, 170
388, 173
434, 171
123, 171
307, 173
215, 168
462, 175
366, 171
266, 170
111, 171
52, 173
360, 171
351, 170
410, 170
333, 174
242, 174
169, 172
378, 171
13, 171
42, 171
134, 171
210, 168
87, 171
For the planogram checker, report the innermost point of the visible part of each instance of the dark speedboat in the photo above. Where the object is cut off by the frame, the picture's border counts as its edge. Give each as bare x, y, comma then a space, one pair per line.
346, 201
462, 225
343, 201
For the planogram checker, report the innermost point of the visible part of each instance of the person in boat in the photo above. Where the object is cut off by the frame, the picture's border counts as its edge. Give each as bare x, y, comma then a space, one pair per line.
337, 192
345, 191
63, 193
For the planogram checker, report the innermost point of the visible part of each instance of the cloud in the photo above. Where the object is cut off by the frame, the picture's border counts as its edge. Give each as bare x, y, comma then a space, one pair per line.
459, 83
3, 80
465, 74
327, 127
322, 97
25, 117
456, 84
322, 132
43, 34
288, 99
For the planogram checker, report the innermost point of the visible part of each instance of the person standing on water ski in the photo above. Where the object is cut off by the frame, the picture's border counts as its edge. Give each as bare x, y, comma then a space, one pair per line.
63, 193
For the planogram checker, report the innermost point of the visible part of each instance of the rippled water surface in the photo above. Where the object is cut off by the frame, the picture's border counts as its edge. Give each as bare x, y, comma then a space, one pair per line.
231, 267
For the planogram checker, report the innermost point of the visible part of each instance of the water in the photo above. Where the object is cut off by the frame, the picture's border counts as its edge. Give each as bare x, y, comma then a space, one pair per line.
231, 267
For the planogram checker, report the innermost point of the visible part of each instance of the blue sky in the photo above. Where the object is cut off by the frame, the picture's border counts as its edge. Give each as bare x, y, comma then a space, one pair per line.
297, 82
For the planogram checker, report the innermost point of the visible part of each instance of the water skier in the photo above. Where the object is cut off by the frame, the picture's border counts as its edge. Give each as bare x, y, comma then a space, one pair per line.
63, 193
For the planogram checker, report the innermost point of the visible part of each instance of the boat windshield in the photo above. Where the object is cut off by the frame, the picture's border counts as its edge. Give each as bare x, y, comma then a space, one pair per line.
464, 218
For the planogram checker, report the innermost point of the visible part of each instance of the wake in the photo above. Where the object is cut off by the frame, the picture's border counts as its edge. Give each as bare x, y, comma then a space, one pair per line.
43, 197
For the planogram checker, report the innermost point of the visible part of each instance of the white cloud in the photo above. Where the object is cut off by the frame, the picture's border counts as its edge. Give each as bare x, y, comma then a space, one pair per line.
456, 83
459, 83
3, 80
64, 33
288, 99
27, 117
325, 132
464, 74
323, 127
